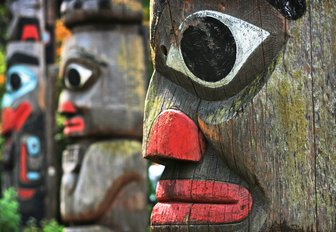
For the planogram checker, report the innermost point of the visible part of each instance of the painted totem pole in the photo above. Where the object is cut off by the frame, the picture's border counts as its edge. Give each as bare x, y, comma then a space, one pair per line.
241, 115
23, 120
103, 70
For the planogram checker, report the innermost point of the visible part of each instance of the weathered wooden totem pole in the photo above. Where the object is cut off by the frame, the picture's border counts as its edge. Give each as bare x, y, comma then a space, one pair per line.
23, 107
103, 70
241, 111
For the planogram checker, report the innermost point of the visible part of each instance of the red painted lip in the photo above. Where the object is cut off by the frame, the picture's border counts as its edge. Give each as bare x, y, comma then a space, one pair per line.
74, 125
200, 202
14, 119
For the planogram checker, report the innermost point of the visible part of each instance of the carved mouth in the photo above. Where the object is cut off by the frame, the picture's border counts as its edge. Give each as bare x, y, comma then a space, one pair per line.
199, 202
74, 125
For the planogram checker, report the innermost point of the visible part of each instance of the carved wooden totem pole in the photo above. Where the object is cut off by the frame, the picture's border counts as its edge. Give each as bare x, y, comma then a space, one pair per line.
103, 69
242, 115
23, 108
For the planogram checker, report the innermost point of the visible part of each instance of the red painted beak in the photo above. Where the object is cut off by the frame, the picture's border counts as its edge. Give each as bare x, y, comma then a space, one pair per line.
175, 136
14, 119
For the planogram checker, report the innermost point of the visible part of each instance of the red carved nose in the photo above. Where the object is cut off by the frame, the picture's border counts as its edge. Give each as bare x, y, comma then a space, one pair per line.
67, 107
174, 136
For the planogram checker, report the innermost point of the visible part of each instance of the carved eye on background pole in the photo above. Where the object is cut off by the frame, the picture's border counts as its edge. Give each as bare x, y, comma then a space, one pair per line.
20, 77
20, 80
213, 47
77, 76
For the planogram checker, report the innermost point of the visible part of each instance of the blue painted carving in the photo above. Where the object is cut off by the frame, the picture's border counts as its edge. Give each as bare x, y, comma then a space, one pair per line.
20, 80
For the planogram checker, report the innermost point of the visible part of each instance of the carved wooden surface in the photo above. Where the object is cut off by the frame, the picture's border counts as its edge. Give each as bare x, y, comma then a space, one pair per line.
104, 78
272, 134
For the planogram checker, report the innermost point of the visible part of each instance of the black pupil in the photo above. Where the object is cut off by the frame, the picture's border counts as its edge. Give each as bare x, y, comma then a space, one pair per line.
209, 49
15, 81
74, 77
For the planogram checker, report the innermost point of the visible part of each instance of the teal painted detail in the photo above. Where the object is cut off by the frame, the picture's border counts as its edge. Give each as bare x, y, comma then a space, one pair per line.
33, 145
28, 82
33, 176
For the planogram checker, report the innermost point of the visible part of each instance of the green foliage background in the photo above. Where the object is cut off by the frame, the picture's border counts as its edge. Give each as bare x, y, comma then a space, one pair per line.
9, 217
145, 4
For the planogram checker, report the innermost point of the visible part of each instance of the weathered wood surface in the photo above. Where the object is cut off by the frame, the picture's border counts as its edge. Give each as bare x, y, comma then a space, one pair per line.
104, 76
273, 135
76, 12
105, 183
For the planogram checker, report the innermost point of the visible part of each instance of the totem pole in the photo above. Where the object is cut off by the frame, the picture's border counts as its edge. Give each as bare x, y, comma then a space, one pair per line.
241, 115
23, 107
103, 69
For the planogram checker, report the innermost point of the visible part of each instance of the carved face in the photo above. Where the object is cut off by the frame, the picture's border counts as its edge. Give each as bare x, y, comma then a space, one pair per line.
94, 70
211, 59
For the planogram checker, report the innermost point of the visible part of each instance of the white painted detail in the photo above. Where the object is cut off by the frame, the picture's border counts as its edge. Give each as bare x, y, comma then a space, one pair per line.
85, 74
247, 37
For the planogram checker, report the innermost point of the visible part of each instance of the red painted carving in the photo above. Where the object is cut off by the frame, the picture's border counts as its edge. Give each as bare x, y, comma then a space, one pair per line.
26, 194
74, 125
30, 32
200, 202
23, 164
175, 136
14, 119
67, 107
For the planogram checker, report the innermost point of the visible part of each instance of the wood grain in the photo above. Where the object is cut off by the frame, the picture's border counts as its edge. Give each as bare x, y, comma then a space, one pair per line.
273, 134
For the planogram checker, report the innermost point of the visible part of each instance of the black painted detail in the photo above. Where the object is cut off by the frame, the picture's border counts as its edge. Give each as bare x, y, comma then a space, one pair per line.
104, 4
74, 77
33, 208
20, 58
8, 157
15, 81
208, 49
291, 9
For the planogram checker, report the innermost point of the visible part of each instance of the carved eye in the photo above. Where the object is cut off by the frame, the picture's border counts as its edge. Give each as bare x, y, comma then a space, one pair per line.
213, 47
15, 81
20, 79
76, 76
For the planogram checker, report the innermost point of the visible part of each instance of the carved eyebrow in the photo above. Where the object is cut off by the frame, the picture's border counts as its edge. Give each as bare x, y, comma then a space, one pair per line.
21, 58
81, 52
291, 9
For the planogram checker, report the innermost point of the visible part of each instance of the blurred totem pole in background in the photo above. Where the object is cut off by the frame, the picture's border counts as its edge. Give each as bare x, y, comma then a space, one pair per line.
103, 67
23, 106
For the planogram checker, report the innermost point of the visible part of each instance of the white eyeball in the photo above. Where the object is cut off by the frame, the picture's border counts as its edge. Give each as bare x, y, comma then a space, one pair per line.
76, 76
